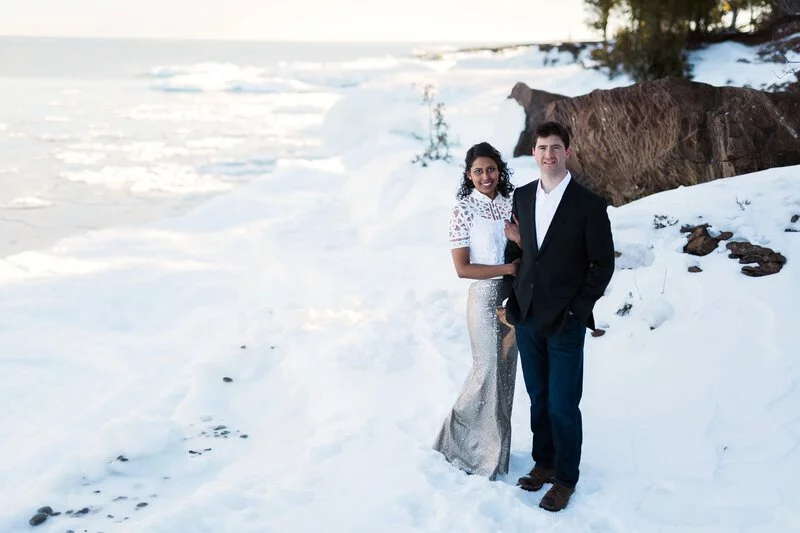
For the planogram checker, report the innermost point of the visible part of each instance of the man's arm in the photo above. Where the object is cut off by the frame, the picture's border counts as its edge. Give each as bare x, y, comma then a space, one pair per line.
600, 251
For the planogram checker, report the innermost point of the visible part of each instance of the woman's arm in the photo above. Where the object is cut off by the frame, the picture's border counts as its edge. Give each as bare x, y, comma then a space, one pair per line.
465, 269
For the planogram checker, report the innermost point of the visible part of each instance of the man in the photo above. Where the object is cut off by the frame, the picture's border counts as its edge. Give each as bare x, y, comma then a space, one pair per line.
561, 232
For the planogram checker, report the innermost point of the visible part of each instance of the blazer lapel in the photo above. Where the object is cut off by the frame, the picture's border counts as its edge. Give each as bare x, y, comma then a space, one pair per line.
533, 219
561, 211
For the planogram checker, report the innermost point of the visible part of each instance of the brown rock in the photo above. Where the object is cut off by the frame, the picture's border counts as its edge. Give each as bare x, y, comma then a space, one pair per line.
763, 269
653, 136
769, 261
534, 102
698, 231
700, 242
752, 253
725, 235
688, 228
695, 269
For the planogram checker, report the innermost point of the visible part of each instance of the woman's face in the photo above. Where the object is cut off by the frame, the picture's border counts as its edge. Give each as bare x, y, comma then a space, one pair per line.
485, 175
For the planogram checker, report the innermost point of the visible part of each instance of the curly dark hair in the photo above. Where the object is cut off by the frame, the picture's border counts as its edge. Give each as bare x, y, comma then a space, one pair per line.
485, 149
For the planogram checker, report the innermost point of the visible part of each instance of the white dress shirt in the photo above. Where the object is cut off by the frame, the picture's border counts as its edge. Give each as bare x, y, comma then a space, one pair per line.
546, 205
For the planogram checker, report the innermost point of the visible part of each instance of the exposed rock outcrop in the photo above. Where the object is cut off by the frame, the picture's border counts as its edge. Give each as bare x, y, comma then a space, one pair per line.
633, 141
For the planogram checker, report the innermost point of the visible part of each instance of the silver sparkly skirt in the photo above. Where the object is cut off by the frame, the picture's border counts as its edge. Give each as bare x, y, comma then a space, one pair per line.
476, 436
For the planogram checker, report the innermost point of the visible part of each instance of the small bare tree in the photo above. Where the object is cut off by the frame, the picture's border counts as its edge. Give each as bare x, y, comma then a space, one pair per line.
438, 147
789, 7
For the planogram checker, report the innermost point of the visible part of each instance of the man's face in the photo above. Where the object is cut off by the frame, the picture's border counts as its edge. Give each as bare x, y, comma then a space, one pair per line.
551, 156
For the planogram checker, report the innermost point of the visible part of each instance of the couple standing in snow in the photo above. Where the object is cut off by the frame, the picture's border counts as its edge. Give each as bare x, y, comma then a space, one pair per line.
550, 253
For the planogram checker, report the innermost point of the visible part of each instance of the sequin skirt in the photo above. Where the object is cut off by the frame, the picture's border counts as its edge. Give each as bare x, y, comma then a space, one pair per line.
476, 436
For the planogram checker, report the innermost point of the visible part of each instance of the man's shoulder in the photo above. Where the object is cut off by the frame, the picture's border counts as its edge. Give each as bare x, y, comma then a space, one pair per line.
587, 195
528, 188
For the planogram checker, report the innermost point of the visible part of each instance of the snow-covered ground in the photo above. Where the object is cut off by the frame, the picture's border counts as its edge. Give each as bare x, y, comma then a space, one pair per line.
279, 358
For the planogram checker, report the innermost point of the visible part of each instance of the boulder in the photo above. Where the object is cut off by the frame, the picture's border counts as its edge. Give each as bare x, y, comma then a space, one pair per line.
634, 141
535, 103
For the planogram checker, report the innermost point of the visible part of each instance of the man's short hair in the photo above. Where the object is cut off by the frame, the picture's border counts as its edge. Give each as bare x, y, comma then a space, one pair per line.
547, 129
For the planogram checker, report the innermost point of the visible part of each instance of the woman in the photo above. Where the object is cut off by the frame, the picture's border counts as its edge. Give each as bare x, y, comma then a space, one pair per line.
476, 436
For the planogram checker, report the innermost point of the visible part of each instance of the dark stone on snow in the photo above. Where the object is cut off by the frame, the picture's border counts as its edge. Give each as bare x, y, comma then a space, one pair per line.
769, 261
763, 269
38, 519
700, 242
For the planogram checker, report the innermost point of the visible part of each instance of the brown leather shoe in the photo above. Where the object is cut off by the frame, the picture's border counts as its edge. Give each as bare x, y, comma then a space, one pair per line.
536, 478
556, 498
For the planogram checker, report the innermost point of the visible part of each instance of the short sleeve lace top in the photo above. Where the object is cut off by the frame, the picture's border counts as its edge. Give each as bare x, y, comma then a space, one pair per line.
477, 222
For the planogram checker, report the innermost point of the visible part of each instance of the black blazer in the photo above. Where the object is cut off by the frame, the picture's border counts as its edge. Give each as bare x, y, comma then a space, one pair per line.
574, 265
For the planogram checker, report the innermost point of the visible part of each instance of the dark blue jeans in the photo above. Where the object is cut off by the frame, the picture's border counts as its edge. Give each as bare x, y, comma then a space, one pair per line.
553, 370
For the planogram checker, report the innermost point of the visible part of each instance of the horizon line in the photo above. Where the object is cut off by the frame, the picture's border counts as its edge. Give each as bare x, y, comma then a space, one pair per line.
486, 43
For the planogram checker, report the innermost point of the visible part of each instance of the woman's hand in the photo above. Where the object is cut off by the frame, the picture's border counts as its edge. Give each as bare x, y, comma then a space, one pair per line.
513, 267
511, 230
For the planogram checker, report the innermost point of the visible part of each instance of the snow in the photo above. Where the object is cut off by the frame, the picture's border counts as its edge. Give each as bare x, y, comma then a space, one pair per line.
744, 66
319, 282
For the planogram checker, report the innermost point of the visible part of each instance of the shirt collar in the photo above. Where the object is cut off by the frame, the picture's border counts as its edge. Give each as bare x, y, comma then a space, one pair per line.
483, 198
558, 191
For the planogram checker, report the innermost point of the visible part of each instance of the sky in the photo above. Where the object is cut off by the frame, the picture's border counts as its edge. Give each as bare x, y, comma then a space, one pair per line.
309, 20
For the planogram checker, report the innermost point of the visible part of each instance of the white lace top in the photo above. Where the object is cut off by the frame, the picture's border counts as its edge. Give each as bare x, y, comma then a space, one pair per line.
477, 222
